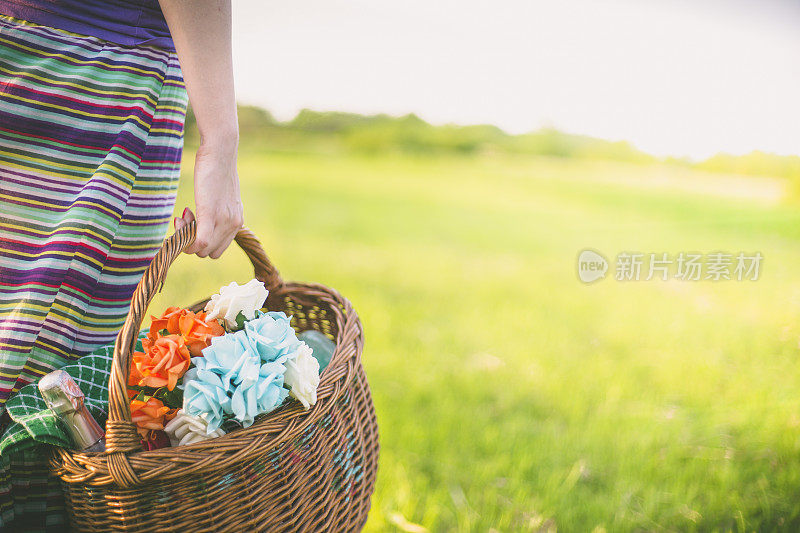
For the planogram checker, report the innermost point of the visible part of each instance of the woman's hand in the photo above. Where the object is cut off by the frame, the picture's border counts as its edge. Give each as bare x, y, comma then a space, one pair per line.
201, 31
218, 201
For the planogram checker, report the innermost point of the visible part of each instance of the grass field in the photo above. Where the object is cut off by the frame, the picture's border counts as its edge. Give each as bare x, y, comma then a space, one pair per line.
512, 397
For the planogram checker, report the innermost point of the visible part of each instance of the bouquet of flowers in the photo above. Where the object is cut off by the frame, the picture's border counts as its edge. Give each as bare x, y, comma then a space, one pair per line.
202, 374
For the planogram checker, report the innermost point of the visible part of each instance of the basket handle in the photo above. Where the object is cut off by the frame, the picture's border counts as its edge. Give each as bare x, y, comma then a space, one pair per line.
121, 435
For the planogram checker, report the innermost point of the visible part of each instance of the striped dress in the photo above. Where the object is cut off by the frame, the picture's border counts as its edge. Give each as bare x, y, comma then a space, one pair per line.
91, 135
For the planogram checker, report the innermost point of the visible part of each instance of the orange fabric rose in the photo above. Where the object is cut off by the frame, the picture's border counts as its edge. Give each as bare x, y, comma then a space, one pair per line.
172, 413
168, 321
195, 329
197, 332
162, 363
148, 415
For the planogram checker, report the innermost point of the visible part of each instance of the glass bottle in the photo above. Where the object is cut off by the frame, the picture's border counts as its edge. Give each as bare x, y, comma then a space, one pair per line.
65, 398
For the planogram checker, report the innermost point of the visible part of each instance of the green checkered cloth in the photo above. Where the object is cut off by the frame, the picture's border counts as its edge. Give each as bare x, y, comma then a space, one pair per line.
30, 499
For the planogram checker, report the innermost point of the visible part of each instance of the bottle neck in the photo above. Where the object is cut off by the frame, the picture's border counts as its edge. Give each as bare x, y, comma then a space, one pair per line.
84, 429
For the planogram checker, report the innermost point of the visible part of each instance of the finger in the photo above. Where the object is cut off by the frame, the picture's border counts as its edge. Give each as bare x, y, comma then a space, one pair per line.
177, 223
187, 215
222, 247
204, 242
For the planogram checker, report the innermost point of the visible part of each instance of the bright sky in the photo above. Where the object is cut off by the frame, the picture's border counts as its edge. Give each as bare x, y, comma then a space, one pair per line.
677, 77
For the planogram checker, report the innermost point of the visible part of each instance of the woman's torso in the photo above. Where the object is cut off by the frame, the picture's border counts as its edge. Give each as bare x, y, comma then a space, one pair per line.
125, 22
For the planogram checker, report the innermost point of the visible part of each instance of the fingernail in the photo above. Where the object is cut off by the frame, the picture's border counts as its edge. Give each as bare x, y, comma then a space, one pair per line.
185, 209
175, 222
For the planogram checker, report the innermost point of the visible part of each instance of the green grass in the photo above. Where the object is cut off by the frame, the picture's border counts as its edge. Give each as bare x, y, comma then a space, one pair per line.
509, 395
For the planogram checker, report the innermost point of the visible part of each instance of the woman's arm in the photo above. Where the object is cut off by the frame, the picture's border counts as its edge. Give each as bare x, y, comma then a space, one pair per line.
201, 30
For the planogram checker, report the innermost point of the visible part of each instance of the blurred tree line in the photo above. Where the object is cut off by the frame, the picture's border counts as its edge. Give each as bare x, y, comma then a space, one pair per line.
409, 134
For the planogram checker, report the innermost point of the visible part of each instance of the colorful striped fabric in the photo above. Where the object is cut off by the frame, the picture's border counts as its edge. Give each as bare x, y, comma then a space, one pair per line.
90, 145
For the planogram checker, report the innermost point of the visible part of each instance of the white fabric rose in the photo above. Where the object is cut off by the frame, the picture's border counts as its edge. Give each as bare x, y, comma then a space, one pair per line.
234, 299
187, 429
302, 376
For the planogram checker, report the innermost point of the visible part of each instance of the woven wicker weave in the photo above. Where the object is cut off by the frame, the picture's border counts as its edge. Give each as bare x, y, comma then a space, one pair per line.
292, 470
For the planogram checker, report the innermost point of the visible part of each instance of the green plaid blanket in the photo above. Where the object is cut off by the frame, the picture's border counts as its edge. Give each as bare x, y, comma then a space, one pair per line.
30, 500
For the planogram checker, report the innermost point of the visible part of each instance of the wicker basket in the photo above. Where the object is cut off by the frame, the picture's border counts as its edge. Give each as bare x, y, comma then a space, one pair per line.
292, 470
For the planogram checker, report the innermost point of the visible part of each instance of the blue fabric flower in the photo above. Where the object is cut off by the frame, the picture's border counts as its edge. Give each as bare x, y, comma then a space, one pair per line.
272, 337
241, 374
206, 399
